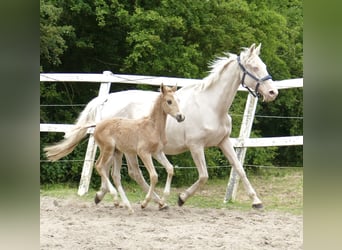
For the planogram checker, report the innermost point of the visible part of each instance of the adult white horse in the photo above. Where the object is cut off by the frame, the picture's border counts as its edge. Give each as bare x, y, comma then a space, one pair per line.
205, 106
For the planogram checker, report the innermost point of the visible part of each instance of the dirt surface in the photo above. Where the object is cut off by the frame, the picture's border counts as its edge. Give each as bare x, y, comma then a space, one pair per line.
74, 224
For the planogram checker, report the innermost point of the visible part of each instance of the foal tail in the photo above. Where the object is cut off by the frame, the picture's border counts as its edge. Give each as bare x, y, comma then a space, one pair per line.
71, 139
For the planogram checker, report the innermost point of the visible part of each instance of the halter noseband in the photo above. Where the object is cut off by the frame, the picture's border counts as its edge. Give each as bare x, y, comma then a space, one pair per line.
258, 80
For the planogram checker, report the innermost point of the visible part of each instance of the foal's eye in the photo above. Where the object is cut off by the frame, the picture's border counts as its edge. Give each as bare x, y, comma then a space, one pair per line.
169, 102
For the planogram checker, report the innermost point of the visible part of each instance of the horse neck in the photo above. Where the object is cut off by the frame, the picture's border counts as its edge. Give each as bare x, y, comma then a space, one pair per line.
223, 91
158, 117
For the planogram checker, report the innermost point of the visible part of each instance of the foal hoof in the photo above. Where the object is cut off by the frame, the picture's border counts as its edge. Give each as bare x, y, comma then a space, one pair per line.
163, 207
97, 200
180, 201
258, 206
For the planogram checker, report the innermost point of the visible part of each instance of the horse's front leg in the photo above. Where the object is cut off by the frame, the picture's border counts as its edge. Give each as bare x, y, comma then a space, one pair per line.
147, 160
161, 158
228, 150
197, 153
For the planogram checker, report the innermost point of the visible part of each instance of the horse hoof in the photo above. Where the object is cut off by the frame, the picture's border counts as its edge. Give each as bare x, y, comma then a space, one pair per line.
258, 206
163, 207
180, 201
97, 200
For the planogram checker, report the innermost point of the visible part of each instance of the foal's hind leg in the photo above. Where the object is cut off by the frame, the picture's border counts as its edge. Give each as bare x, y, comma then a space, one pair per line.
116, 175
102, 167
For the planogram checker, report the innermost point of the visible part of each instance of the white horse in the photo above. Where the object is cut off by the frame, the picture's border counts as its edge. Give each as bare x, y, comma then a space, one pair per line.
205, 106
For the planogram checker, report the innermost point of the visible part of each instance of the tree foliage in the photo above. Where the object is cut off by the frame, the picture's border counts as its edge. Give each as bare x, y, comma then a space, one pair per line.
173, 38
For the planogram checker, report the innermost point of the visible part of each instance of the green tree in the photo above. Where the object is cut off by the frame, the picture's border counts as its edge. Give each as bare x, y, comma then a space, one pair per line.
52, 34
172, 38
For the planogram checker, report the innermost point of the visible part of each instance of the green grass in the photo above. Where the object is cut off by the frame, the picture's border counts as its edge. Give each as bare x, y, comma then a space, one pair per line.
280, 190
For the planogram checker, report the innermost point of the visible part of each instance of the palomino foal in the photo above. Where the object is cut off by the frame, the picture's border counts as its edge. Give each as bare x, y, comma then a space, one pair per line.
144, 137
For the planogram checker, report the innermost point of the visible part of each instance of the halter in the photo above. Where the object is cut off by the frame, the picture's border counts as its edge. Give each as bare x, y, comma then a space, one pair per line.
258, 80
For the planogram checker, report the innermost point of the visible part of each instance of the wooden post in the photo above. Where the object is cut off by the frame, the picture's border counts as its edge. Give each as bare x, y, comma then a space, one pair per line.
245, 132
91, 149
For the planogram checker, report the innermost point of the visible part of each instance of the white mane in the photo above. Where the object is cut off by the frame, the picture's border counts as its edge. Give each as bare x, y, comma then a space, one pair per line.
216, 68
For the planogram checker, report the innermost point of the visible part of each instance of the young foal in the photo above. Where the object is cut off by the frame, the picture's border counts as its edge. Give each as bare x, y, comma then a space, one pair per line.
144, 137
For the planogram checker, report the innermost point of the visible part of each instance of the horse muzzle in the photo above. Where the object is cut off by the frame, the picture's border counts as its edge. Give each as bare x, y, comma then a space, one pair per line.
180, 117
271, 95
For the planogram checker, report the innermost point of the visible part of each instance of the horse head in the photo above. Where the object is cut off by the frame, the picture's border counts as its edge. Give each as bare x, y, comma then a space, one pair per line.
254, 74
169, 102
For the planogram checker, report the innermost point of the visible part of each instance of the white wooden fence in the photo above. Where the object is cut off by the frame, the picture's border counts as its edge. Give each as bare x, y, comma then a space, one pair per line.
241, 143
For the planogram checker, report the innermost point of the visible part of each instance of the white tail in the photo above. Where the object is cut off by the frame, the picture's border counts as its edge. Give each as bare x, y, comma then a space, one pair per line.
86, 119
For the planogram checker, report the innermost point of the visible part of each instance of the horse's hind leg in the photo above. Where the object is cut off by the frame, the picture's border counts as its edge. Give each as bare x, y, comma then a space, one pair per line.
161, 158
102, 166
116, 175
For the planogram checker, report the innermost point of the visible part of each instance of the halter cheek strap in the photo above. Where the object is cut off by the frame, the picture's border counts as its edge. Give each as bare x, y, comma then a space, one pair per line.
255, 93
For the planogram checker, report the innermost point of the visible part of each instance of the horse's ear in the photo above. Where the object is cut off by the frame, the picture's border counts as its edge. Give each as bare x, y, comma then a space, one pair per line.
257, 50
251, 49
174, 88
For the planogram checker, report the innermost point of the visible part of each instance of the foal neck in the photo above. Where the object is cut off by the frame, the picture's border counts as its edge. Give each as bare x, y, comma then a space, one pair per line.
158, 117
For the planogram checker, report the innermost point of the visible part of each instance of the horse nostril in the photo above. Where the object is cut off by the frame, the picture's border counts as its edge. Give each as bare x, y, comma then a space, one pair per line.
272, 92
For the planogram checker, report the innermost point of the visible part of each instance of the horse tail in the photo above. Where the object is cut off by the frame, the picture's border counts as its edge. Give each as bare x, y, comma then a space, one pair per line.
86, 119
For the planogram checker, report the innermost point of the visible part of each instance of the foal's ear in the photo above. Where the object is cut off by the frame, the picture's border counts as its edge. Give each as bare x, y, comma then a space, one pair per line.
174, 88
162, 90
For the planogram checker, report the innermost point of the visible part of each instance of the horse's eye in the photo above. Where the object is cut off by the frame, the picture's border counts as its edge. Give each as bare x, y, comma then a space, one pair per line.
169, 102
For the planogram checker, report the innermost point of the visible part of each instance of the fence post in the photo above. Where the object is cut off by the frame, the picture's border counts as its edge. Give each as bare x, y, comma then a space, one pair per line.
91, 149
245, 131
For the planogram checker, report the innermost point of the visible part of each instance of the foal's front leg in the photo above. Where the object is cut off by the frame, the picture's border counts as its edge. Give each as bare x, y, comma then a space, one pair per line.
161, 158
147, 160
136, 174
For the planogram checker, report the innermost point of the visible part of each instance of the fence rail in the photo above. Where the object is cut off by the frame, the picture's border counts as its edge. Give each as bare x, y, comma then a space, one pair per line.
241, 143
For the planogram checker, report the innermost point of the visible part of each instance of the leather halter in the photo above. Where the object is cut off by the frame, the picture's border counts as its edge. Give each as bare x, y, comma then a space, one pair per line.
255, 93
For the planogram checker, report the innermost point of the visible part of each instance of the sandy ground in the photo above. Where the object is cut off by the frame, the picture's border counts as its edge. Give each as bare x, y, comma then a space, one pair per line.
74, 224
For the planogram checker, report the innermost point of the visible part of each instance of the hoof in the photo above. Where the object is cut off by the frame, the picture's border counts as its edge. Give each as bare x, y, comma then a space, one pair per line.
97, 200
180, 201
258, 206
142, 206
163, 207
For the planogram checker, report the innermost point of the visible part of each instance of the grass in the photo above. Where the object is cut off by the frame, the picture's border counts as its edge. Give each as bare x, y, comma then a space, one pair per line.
279, 189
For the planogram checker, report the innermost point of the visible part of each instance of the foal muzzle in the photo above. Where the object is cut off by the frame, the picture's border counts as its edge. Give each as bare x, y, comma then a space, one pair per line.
180, 117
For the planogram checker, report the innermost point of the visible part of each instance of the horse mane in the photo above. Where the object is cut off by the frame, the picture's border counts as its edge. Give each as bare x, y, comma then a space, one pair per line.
216, 68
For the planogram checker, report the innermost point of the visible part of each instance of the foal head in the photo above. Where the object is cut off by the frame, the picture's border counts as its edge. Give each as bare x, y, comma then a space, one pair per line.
255, 75
169, 102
